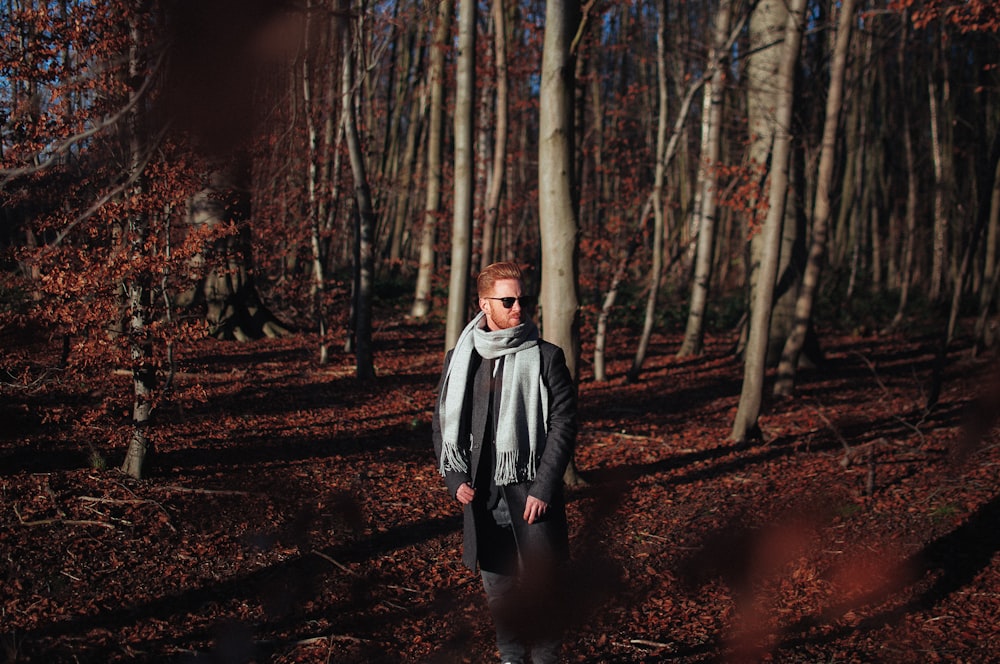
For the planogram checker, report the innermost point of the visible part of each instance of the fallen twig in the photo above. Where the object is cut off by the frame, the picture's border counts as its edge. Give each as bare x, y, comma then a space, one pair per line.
330, 637
652, 644
131, 501
334, 562
68, 522
216, 492
651, 535
115, 501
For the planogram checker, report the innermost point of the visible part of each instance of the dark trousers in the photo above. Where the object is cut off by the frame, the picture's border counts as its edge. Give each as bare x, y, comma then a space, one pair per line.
520, 601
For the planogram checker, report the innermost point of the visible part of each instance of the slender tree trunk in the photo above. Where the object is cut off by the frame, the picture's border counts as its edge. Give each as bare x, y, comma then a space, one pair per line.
768, 23
990, 263
500, 147
326, 210
404, 186
939, 256
335, 170
821, 207
557, 209
984, 213
673, 148
791, 265
985, 335
364, 271
465, 171
875, 232
601, 334
140, 344
860, 187
656, 269
435, 143
912, 186
312, 185
714, 95
745, 426
842, 238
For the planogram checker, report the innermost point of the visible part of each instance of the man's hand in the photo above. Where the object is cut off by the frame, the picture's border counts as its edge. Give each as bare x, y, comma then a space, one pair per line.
465, 493
534, 509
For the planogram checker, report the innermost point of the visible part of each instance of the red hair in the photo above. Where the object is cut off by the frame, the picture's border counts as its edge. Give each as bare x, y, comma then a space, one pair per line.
494, 273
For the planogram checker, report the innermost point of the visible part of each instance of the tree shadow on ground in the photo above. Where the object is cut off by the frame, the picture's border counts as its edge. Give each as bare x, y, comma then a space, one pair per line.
941, 568
284, 590
733, 458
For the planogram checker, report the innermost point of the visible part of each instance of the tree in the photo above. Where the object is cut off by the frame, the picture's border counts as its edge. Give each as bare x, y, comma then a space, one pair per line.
364, 215
745, 426
912, 185
221, 213
708, 182
991, 267
84, 154
435, 143
500, 147
821, 206
670, 149
656, 270
137, 288
556, 208
316, 174
465, 168
559, 300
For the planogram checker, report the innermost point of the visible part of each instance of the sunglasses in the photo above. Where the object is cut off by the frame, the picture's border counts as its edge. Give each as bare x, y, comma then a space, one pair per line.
508, 302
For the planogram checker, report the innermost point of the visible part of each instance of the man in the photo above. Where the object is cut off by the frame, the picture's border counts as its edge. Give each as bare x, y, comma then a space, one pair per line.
504, 430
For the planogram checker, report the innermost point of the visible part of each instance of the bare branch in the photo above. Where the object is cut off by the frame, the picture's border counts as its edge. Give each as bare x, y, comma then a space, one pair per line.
103, 200
64, 146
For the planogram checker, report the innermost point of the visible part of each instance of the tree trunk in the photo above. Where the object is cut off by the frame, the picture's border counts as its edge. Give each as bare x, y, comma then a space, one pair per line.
984, 213
556, 207
465, 171
990, 263
841, 231
767, 27
821, 206
140, 344
708, 173
404, 184
745, 426
364, 271
329, 172
656, 269
500, 147
312, 199
854, 204
912, 187
601, 334
672, 148
435, 143
234, 310
939, 256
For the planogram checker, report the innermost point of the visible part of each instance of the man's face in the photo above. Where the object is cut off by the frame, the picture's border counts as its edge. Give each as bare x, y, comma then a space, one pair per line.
497, 317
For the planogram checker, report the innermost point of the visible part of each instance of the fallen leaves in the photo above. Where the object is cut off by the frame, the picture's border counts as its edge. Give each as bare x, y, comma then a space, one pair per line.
297, 516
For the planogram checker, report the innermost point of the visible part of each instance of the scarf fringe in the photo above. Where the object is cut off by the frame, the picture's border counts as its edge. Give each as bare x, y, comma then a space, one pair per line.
506, 470
452, 460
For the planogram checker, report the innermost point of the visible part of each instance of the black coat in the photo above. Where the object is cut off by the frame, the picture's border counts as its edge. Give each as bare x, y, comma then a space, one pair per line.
547, 537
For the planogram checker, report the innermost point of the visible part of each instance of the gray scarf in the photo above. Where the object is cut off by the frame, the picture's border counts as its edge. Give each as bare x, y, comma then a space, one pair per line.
521, 422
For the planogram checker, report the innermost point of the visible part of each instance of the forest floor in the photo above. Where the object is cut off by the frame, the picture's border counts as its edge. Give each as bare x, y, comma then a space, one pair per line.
296, 515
